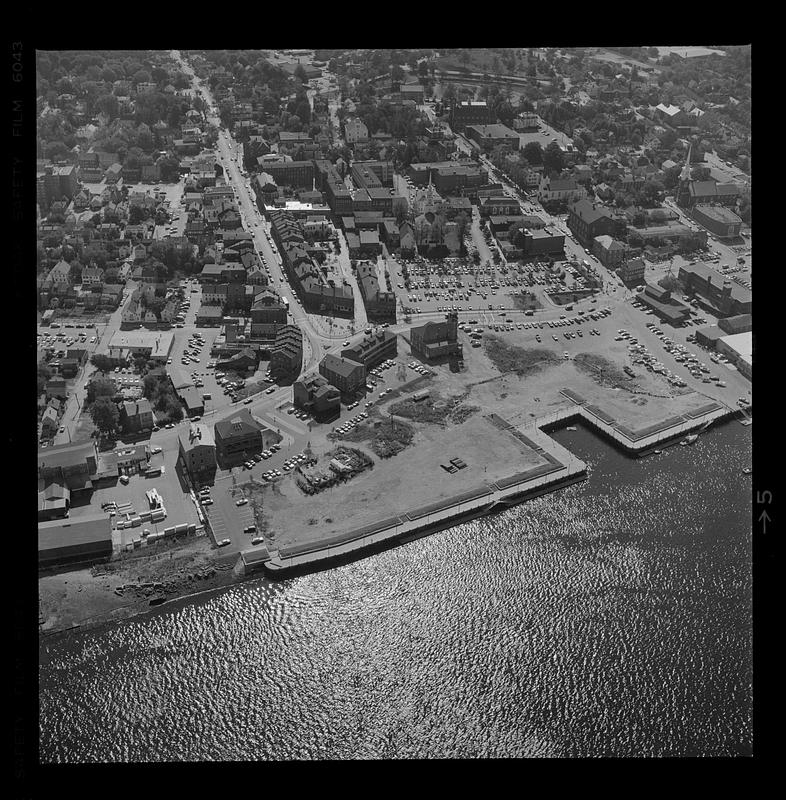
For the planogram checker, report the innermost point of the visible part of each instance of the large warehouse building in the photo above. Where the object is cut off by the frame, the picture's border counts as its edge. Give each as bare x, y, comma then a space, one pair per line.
65, 541
155, 345
721, 221
739, 349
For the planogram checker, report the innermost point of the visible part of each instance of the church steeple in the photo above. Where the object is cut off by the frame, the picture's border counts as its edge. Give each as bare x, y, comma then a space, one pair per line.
683, 190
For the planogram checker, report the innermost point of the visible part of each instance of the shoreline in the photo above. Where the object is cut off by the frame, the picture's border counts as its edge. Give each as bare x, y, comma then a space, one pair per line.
213, 571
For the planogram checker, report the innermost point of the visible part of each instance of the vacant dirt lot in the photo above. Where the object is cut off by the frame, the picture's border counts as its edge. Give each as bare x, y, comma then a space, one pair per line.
401, 483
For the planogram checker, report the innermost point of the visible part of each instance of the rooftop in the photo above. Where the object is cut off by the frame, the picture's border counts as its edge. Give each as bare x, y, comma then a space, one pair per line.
242, 424
342, 366
741, 343
197, 435
67, 532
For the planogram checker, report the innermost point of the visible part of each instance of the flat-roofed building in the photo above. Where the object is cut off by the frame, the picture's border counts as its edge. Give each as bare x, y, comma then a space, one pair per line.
241, 436
496, 135
298, 174
153, 345
373, 349
739, 349
83, 539
542, 241
470, 113
197, 450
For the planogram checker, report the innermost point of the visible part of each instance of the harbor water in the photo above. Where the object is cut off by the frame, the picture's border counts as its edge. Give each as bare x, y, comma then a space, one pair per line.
612, 618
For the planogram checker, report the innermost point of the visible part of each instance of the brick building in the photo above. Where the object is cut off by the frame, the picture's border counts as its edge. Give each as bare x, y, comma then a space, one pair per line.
436, 340
346, 375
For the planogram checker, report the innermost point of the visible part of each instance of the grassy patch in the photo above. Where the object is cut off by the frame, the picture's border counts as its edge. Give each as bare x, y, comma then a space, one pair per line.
525, 301
435, 410
387, 437
460, 413
251, 388
604, 371
510, 358
431, 409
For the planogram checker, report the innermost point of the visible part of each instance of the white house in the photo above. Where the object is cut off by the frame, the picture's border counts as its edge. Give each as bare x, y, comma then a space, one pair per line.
355, 130
565, 189
60, 273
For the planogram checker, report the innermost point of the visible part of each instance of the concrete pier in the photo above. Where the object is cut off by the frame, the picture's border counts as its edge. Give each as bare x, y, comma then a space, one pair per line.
562, 468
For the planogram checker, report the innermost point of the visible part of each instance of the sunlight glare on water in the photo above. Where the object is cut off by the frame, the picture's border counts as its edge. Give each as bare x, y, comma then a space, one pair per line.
608, 619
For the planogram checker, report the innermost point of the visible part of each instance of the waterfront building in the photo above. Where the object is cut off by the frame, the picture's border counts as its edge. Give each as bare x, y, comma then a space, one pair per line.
739, 349
85, 539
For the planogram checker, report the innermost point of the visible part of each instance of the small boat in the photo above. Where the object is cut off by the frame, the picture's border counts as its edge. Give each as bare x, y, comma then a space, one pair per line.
657, 452
570, 428
746, 470
690, 439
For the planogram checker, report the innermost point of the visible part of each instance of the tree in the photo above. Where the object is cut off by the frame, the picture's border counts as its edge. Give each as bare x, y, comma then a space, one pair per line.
462, 222
44, 374
300, 73
553, 159
105, 415
102, 362
107, 103
100, 387
137, 214
533, 152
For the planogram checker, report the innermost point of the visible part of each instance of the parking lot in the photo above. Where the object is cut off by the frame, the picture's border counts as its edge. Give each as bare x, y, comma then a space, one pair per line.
227, 519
